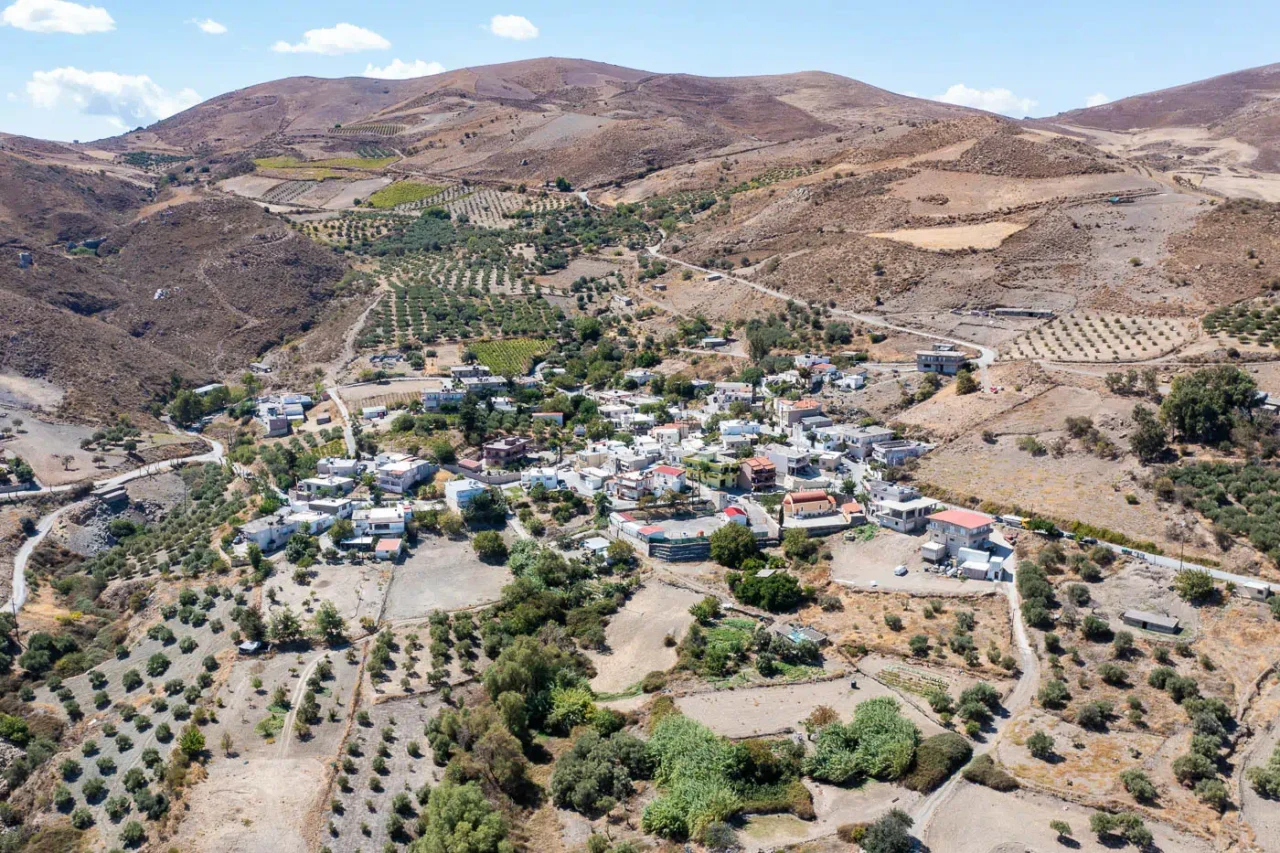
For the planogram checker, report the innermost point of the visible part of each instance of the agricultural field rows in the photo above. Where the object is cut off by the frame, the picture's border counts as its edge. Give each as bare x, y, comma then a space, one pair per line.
1089, 336
1256, 322
367, 130
402, 194
286, 192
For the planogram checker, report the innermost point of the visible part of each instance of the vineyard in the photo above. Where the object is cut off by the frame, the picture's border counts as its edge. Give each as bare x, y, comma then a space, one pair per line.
401, 194
512, 357
327, 163
286, 192
368, 130
913, 680
445, 195
374, 152
1246, 323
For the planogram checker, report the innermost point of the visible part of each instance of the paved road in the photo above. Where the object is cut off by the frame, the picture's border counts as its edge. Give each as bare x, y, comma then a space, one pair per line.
18, 594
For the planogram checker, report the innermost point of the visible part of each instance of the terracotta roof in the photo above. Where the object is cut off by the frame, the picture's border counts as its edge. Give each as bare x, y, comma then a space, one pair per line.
962, 518
734, 511
760, 462
668, 470
851, 507
387, 545
806, 496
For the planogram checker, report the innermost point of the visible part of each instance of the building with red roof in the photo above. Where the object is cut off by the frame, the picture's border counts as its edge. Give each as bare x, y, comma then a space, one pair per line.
960, 528
808, 503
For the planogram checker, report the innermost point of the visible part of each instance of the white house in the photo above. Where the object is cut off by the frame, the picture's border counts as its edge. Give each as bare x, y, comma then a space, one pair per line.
458, 494
739, 427
548, 478
639, 374
333, 466
373, 413
330, 485
666, 478
401, 475
378, 521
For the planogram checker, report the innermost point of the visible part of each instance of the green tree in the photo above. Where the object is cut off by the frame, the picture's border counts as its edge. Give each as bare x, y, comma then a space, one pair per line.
1148, 438
1040, 745
489, 546
1203, 405
191, 741
1193, 585
460, 820
965, 383
732, 545
329, 623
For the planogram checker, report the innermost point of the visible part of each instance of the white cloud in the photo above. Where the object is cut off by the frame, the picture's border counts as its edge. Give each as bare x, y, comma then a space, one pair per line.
512, 27
210, 26
1096, 100
335, 41
57, 16
991, 100
11, 97
126, 100
400, 70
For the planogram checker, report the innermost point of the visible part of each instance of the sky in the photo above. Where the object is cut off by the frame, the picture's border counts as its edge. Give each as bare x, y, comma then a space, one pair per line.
84, 71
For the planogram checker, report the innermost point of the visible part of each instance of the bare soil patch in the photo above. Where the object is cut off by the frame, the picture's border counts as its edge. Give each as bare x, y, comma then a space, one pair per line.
636, 636
987, 235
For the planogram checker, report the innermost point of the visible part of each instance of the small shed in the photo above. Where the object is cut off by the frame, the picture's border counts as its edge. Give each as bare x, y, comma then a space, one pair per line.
933, 552
1257, 590
1150, 621
387, 549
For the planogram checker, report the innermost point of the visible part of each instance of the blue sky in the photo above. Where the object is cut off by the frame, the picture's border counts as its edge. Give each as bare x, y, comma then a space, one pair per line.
87, 70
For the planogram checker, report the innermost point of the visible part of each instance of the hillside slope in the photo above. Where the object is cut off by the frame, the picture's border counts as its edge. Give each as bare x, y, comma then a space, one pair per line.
534, 119
198, 288
1244, 105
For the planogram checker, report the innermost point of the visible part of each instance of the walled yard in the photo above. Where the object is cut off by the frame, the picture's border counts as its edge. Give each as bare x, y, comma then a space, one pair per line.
1020, 820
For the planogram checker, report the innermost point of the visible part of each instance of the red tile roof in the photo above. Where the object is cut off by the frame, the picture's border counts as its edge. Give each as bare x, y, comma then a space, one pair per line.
852, 507
761, 462
668, 470
387, 545
733, 511
807, 496
962, 518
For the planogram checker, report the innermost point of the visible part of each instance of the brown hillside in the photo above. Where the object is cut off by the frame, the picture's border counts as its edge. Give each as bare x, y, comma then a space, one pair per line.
536, 119
1244, 105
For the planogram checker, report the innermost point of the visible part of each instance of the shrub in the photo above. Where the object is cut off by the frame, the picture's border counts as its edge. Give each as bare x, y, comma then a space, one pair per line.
1138, 785
1054, 694
132, 834
1265, 779
888, 834
1194, 585
879, 743
1093, 715
937, 758
1040, 745
983, 770
489, 546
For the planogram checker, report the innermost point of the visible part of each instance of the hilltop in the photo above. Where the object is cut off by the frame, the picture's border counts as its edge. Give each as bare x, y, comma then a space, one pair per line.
590, 121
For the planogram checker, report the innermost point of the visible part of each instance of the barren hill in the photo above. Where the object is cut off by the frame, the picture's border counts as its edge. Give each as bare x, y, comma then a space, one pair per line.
198, 288
589, 121
1216, 131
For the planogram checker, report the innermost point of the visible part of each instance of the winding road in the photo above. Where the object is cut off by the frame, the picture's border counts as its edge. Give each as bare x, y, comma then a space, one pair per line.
18, 594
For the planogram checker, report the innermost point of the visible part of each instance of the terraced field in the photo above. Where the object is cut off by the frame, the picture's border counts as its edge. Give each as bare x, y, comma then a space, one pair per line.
1089, 336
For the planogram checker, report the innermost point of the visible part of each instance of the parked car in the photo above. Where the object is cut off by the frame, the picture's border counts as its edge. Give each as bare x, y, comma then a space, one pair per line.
900, 571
